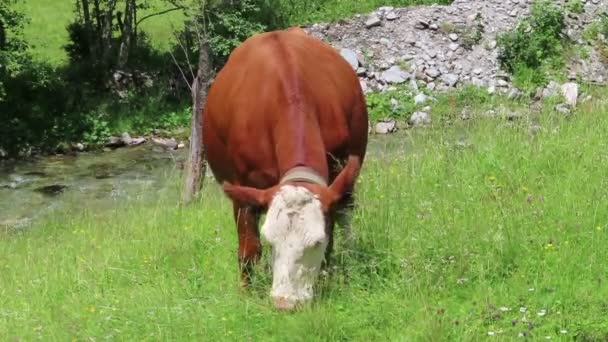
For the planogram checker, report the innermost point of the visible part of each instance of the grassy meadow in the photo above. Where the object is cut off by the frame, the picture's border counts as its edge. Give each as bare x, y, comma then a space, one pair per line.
46, 31
483, 229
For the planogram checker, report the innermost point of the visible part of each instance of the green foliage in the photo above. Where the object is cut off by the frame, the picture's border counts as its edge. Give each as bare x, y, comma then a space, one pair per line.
534, 40
379, 104
230, 24
536, 43
13, 49
575, 6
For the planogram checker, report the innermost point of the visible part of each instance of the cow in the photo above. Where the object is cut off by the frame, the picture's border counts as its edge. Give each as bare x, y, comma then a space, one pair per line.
285, 129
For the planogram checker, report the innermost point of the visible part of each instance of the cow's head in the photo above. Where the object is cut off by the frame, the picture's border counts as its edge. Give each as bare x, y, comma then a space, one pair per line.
295, 227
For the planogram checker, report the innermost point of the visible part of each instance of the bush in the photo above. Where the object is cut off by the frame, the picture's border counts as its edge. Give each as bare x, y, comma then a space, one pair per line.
395, 104
536, 38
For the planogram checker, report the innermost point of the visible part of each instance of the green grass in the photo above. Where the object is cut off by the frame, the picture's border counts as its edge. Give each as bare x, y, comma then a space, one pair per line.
446, 234
47, 34
329, 10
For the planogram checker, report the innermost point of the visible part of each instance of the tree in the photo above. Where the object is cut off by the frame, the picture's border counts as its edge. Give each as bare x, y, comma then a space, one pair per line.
196, 165
13, 49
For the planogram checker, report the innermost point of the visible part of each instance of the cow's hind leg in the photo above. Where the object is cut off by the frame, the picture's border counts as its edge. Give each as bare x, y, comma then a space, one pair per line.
250, 249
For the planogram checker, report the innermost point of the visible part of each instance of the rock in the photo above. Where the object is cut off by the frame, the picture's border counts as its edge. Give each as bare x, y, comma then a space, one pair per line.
170, 144
126, 138
431, 86
420, 119
361, 71
421, 25
138, 141
570, 93
391, 16
181, 145
450, 79
492, 45
432, 73
562, 108
502, 83
453, 46
78, 147
453, 37
372, 21
114, 142
386, 126
351, 58
51, 190
363, 85
514, 93
420, 98
395, 75
491, 90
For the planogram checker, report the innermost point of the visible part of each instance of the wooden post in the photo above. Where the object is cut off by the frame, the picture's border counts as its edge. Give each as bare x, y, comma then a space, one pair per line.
196, 166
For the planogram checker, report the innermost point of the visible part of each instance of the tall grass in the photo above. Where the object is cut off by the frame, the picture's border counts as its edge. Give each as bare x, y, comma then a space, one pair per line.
463, 231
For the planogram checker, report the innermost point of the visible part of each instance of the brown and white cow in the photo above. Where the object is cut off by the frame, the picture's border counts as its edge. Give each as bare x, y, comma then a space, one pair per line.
285, 132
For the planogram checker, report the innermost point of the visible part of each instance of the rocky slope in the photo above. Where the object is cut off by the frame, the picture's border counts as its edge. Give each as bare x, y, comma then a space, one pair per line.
445, 46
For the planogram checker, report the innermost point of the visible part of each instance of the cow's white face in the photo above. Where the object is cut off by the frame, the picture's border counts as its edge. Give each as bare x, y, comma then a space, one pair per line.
295, 228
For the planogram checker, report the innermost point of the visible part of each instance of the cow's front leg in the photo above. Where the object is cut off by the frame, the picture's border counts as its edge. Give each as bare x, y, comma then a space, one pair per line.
250, 248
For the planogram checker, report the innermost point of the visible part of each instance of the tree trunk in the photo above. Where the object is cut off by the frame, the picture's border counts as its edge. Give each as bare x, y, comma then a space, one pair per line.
88, 26
126, 34
106, 35
196, 166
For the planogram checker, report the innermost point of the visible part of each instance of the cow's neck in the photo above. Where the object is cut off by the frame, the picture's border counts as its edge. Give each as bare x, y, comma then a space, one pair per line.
300, 150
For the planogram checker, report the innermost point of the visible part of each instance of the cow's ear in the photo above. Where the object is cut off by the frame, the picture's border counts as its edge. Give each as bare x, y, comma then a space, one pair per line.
345, 180
248, 195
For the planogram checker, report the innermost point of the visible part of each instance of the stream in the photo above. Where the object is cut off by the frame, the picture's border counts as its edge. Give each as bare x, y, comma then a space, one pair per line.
34, 188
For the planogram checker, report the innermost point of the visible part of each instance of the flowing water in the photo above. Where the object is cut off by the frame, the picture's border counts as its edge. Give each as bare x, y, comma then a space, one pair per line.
32, 189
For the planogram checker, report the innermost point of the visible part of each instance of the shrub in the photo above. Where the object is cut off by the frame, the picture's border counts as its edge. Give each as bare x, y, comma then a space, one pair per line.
534, 40
379, 105
537, 41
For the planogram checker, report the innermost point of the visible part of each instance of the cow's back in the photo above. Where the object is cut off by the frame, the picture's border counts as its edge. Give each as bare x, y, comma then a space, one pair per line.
274, 83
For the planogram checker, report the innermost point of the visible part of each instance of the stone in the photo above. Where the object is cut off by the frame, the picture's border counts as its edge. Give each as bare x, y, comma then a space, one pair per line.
421, 25
372, 21
138, 141
453, 37
114, 142
170, 144
391, 16
432, 73
450, 79
385, 126
351, 57
395, 75
562, 108
420, 119
420, 98
570, 93
502, 83
453, 46
126, 138
363, 84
